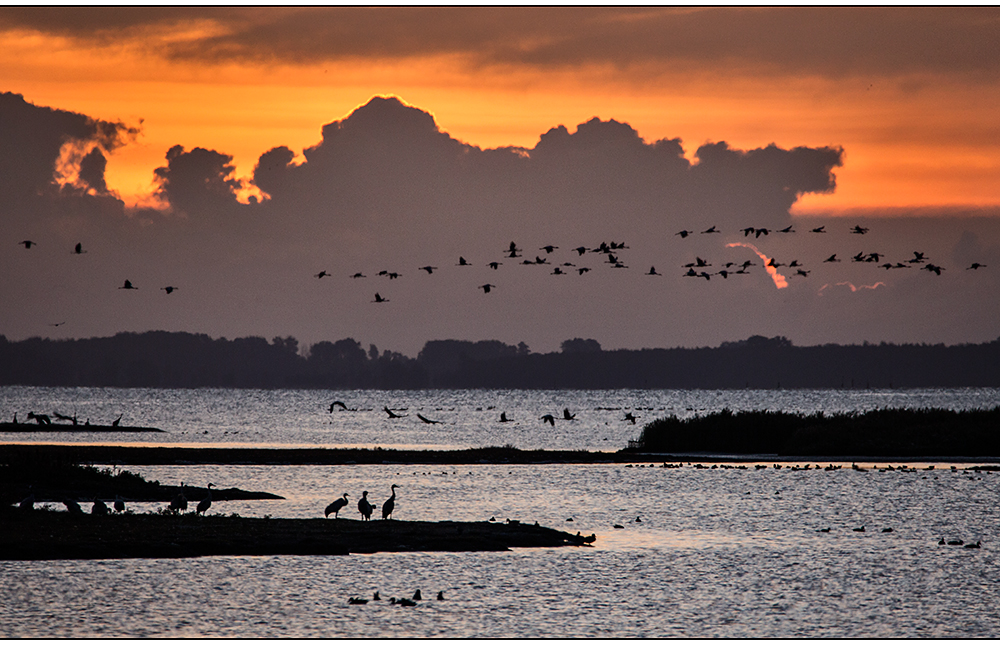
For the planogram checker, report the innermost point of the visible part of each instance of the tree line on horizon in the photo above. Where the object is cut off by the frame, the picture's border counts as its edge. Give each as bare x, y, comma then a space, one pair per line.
183, 360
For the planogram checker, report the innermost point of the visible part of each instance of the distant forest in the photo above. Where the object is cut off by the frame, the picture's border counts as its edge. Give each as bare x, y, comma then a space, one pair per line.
172, 359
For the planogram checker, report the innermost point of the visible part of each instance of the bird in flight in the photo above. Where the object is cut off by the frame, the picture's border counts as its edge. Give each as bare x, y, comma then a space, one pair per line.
549, 248
548, 418
759, 231
78, 249
495, 265
932, 267
322, 274
581, 249
710, 230
832, 258
169, 290
379, 298
787, 229
429, 269
683, 234
28, 243
486, 287
426, 420
819, 229
976, 265
513, 251
127, 285
748, 231
917, 258
652, 271
358, 275
583, 270
858, 230
57, 324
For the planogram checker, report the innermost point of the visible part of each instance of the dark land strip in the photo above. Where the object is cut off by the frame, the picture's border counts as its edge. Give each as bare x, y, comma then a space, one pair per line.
48, 535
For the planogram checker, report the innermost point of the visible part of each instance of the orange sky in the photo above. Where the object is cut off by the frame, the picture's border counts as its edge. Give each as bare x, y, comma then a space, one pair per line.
913, 135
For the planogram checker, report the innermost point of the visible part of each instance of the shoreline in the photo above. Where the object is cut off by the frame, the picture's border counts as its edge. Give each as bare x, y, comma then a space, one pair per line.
166, 455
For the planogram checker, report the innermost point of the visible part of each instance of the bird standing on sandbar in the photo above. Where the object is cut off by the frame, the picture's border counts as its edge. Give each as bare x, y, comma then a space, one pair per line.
365, 508
335, 506
389, 504
206, 503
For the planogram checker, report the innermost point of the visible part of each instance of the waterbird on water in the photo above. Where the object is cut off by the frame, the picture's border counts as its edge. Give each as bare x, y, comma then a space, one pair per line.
389, 504
335, 506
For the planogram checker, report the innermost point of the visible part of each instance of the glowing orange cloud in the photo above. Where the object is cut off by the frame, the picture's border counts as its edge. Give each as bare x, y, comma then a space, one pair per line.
779, 280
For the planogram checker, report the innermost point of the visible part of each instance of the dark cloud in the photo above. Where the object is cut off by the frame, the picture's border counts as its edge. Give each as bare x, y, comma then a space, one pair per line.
387, 189
834, 41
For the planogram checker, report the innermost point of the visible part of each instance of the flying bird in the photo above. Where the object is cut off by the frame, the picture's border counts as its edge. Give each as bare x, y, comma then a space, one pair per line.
976, 265
28, 243
748, 231
917, 258
322, 274
127, 285
932, 267
787, 229
819, 229
379, 298
392, 415
710, 230
652, 271
548, 418
358, 275
832, 258
169, 290
858, 230
336, 403
631, 418
462, 262
389, 504
683, 234
758, 232
429, 269
581, 249
495, 265
335, 506
486, 287
583, 270
567, 416
549, 248
78, 249
426, 420
503, 417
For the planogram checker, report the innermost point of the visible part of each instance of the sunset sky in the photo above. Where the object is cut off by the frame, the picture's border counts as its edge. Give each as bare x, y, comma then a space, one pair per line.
885, 117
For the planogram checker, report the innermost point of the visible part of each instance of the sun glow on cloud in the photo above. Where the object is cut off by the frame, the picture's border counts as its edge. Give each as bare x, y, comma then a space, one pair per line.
780, 281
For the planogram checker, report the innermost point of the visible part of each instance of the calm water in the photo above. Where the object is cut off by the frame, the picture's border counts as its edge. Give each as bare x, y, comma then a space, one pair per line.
718, 553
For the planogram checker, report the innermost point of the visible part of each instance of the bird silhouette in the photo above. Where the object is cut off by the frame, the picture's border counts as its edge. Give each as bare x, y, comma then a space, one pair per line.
127, 285
652, 271
710, 230
119, 504
169, 290
787, 229
917, 258
486, 287
859, 230
495, 265
379, 298
683, 233
99, 508
78, 249
73, 507
440, 595
365, 508
580, 250
389, 504
337, 403
358, 275
206, 503
179, 503
462, 262
818, 229
392, 415
513, 250
503, 417
429, 269
932, 267
28, 243
322, 274
548, 418
549, 248
631, 418
832, 258
583, 270
335, 506
114, 424
976, 265
759, 232
416, 595
748, 231
426, 420
567, 416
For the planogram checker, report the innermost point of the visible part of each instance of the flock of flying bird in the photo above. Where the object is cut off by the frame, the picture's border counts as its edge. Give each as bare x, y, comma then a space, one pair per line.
696, 269
612, 258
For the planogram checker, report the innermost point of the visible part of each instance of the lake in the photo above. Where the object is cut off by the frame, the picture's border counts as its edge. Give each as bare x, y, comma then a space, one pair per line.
720, 552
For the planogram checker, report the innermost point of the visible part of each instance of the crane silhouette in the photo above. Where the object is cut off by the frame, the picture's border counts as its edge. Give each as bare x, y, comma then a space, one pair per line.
169, 290
206, 503
322, 274
78, 249
486, 287
379, 298
548, 418
389, 504
127, 285
335, 506
27, 243
365, 508
429, 269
